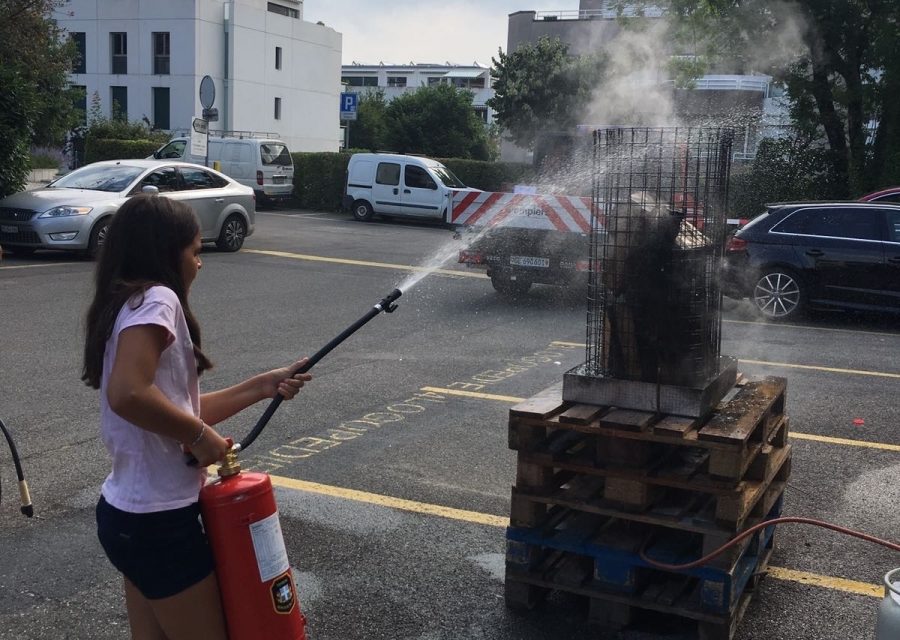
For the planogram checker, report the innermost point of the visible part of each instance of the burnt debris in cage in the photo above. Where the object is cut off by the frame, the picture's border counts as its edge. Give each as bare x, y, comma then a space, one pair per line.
654, 304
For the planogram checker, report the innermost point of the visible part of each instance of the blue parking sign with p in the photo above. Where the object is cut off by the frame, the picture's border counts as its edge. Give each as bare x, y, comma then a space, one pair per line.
349, 102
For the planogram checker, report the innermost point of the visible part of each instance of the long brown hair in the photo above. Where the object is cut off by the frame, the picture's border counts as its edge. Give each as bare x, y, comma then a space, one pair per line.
143, 248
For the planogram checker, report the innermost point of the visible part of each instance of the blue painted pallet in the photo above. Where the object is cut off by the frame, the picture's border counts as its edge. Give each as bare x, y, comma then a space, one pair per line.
617, 563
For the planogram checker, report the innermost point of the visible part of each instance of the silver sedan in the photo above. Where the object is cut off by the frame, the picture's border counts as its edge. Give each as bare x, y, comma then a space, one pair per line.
73, 212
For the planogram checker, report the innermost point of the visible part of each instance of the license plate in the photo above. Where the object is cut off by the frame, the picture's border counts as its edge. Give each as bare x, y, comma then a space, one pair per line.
6, 228
529, 261
277, 179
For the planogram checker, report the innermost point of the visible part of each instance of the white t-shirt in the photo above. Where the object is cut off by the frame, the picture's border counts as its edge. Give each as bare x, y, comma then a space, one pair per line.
148, 470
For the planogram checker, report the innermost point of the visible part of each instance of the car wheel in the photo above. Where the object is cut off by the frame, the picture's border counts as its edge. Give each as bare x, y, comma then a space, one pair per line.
98, 237
778, 294
509, 288
231, 237
363, 211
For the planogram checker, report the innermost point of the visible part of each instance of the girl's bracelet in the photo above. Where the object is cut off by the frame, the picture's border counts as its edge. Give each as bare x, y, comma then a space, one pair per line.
199, 435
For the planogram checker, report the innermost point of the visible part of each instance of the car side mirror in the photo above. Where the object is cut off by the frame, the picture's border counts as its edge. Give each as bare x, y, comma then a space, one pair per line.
149, 188
433, 186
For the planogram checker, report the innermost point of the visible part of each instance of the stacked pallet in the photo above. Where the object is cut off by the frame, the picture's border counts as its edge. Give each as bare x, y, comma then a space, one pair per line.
601, 490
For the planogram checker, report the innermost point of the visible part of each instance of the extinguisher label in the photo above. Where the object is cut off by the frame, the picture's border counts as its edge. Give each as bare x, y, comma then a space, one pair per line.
283, 593
268, 544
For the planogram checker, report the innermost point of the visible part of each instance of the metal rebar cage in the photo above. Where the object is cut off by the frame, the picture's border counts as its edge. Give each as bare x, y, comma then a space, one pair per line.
658, 233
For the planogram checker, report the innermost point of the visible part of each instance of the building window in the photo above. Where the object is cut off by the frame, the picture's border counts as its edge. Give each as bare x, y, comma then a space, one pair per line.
360, 81
278, 57
118, 46
78, 66
161, 108
79, 102
278, 108
435, 80
119, 97
399, 81
161, 53
482, 113
284, 11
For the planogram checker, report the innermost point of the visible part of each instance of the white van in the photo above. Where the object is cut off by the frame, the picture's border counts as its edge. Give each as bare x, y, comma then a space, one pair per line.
263, 164
399, 185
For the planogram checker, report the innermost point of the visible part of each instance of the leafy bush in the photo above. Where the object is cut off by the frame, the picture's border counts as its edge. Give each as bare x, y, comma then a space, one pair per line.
490, 176
319, 178
45, 160
96, 149
784, 170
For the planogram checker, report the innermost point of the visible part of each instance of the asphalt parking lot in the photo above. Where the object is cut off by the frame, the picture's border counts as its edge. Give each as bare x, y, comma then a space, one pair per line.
392, 468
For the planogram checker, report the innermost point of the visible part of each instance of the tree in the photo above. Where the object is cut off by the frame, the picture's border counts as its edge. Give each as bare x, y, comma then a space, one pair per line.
843, 78
369, 129
36, 105
437, 121
541, 87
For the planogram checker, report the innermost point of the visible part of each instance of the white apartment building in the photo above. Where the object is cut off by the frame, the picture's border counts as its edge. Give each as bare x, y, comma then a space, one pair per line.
272, 71
396, 79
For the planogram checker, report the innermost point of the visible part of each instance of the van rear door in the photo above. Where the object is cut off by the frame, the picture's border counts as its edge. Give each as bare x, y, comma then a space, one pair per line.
276, 169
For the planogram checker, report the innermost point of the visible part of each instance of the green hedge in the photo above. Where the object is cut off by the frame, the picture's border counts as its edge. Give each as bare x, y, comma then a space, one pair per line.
96, 149
319, 177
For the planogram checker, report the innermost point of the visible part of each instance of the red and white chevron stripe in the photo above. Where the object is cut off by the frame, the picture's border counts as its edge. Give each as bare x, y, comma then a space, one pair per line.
553, 213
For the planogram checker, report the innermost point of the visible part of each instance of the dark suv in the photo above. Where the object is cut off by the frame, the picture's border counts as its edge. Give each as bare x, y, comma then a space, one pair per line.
841, 254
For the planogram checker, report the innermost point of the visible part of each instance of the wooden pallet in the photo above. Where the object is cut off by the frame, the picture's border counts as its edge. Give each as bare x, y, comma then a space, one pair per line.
733, 435
701, 507
615, 548
677, 596
597, 485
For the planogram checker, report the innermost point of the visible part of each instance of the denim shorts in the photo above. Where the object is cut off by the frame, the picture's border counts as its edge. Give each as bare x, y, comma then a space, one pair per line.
161, 553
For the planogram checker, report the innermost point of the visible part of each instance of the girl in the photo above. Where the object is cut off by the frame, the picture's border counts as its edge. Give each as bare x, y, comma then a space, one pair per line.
142, 352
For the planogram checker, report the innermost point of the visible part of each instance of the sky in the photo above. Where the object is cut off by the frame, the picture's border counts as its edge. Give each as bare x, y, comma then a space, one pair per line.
439, 31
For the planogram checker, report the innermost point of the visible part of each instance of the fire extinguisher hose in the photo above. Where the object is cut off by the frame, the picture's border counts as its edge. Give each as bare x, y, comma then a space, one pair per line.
24, 496
762, 525
386, 305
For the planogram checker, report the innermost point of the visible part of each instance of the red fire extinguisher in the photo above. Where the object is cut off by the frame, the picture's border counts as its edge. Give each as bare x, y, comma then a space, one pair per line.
241, 521
258, 592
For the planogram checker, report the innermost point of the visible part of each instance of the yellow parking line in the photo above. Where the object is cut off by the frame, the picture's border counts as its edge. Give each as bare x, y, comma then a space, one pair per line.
388, 501
811, 328
365, 263
794, 434
845, 441
855, 372
828, 582
779, 573
474, 394
783, 365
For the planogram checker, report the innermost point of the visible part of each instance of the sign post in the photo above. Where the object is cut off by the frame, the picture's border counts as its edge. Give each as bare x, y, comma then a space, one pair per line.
349, 104
200, 138
207, 99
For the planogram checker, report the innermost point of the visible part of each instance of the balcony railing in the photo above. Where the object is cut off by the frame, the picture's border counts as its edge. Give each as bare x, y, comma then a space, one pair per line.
608, 13
731, 83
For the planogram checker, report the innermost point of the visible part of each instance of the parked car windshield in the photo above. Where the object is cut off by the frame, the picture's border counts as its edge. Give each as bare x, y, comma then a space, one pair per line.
447, 177
113, 178
274, 153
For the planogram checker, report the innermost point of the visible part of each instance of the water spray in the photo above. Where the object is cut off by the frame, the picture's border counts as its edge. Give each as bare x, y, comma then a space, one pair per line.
24, 496
387, 305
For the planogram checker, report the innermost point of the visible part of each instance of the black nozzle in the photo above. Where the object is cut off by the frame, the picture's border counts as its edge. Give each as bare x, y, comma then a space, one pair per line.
387, 303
